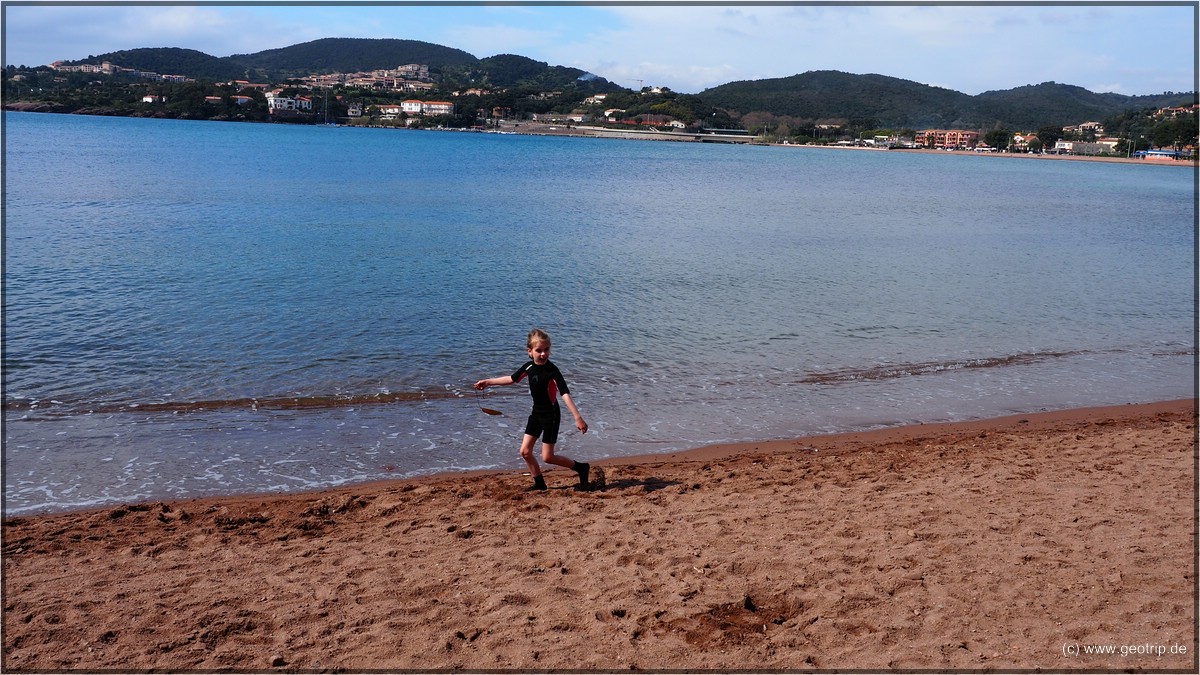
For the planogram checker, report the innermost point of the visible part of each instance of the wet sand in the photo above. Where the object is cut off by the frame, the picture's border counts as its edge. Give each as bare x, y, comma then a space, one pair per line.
1015, 543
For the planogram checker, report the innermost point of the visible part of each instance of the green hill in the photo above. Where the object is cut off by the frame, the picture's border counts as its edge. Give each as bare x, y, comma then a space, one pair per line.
171, 61
862, 101
349, 55
513, 71
877, 100
830, 94
1050, 103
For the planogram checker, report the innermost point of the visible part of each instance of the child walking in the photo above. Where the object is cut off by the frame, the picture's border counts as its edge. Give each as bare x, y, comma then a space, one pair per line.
546, 383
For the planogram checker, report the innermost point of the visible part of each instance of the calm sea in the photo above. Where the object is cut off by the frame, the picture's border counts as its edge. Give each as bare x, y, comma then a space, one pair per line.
200, 308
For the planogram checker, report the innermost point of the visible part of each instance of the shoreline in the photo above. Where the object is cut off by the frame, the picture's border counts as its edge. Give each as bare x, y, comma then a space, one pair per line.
541, 129
705, 452
1025, 155
1003, 543
1033, 421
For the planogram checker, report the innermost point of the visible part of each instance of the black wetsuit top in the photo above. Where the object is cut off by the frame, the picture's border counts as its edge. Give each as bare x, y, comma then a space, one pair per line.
545, 384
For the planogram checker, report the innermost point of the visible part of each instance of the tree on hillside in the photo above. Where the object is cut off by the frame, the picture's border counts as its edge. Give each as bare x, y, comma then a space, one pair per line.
998, 138
1174, 132
1139, 129
1049, 135
758, 122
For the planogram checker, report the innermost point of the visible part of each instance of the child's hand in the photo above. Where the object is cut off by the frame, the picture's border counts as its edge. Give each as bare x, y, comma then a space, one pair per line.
482, 384
581, 425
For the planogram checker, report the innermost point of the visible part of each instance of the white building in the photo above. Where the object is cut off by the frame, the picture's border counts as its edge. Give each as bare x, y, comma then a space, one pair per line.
280, 104
437, 108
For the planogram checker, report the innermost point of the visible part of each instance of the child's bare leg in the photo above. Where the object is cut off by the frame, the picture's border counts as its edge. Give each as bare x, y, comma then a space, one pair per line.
580, 468
527, 454
527, 442
549, 457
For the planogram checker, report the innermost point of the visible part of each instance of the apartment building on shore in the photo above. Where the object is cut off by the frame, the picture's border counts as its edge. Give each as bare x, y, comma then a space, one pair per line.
949, 139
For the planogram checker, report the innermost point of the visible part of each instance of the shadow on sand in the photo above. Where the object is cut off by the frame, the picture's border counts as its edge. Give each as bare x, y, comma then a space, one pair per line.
650, 484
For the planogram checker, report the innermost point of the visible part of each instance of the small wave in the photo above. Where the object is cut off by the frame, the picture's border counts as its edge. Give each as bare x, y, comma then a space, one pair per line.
251, 403
893, 371
1178, 352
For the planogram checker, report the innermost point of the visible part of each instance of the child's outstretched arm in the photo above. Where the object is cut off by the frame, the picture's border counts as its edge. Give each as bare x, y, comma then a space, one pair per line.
579, 423
495, 381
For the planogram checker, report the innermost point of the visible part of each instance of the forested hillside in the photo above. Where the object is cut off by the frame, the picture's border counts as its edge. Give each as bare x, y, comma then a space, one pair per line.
452, 67
349, 55
172, 61
804, 103
1032, 106
877, 100
510, 70
888, 101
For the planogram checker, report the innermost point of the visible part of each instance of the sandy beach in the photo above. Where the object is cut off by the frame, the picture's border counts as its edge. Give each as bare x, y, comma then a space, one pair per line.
1023, 542
543, 129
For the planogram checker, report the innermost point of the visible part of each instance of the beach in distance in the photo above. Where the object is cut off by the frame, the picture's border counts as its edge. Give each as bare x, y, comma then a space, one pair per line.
545, 129
1057, 541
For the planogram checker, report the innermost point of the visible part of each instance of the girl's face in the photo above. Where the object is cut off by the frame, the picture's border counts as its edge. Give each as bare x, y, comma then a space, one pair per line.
540, 353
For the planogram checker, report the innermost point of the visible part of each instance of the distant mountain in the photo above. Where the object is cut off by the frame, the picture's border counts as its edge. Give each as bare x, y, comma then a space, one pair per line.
896, 103
510, 70
864, 101
349, 55
826, 94
1037, 105
172, 61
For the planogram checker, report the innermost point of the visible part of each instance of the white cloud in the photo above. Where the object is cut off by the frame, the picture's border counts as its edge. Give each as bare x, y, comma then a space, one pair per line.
965, 48
689, 48
485, 41
180, 21
43, 34
693, 48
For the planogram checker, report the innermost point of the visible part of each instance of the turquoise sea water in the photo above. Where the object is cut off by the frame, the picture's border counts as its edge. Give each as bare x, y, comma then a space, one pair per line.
198, 308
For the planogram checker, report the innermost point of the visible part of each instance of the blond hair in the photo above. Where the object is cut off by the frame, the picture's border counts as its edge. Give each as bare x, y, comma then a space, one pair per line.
535, 336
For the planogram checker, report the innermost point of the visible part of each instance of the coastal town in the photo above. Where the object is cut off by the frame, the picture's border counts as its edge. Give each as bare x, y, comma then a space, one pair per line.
308, 99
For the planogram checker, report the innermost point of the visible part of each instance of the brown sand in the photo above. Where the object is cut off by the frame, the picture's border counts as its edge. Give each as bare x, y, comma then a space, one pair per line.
1014, 543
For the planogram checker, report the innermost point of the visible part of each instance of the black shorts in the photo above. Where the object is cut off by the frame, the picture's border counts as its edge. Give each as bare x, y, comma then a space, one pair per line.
544, 424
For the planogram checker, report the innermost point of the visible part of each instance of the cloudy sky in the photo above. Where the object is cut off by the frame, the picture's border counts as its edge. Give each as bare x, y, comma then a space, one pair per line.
1139, 48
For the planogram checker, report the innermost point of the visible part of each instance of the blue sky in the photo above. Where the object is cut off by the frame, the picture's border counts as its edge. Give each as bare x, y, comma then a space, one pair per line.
1139, 48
